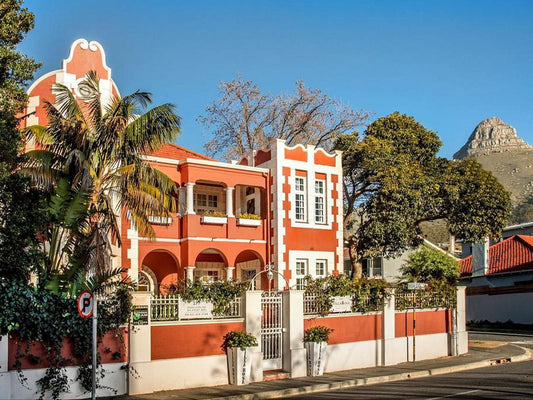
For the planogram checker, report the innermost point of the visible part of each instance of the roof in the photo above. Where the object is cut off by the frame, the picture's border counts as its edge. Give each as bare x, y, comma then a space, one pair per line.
513, 254
174, 152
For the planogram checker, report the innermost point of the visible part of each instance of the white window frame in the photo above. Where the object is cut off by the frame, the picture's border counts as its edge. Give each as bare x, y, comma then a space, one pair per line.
300, 199
324, 267
209, 202
299, 274
320, 201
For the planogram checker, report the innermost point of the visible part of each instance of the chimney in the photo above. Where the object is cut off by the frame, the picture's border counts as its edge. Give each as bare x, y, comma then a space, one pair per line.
480, 258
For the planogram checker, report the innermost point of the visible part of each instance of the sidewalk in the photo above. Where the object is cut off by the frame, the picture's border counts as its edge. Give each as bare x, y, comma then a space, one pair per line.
481, 354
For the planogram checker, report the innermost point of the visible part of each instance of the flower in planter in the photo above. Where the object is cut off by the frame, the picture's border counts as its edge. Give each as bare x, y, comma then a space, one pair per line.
249, 216
213, 213
317, 334
240, 339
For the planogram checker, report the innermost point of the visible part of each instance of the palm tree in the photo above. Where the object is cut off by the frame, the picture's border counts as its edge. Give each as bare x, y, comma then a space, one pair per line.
89, 158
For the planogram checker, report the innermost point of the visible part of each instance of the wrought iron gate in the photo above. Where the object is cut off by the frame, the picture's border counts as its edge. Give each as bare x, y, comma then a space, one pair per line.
272, 329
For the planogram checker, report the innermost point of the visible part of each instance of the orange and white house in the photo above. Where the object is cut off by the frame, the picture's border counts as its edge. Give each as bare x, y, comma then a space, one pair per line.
281, 206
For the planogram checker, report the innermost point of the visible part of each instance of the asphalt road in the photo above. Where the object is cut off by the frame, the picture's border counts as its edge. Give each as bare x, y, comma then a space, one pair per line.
506, 381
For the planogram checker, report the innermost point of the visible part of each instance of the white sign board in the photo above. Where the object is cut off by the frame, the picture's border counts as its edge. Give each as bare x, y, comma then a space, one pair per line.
85, 304
416, 285
195, 309
341, 304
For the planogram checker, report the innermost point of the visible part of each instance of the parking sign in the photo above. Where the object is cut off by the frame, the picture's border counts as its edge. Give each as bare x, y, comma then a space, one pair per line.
86, 304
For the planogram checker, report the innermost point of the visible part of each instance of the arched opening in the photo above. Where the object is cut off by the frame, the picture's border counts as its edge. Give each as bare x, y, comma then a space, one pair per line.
147, 280
247, 264
210, 266
160, 267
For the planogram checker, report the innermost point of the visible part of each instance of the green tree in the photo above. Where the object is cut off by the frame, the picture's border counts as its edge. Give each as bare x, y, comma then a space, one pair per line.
20, 205
428, 264
523, 212
90, 159
394, 181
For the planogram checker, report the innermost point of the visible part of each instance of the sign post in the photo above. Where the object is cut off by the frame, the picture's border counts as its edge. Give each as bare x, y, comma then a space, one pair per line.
414, 286
87, 308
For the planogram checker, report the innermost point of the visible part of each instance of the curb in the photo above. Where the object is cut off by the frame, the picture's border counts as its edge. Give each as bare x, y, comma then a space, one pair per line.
349, 383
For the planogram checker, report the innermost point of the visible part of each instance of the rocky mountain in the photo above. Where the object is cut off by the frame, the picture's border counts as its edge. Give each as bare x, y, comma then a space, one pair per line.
498, 149
492, 136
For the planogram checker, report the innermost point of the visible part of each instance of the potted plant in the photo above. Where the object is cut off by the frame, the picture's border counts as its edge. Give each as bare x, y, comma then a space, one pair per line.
237, 346
316, 341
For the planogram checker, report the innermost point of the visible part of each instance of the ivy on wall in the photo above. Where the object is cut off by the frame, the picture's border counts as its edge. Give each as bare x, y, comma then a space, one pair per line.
367, 294
31, 314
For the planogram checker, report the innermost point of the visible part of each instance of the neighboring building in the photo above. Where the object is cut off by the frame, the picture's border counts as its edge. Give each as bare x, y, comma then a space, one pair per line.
499, 281
294, 194
390, 268
520, 229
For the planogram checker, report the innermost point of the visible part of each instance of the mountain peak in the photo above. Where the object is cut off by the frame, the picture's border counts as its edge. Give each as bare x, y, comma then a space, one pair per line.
492, 135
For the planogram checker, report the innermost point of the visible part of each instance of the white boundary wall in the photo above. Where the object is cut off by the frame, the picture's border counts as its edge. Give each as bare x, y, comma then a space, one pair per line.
12, 388
500, 308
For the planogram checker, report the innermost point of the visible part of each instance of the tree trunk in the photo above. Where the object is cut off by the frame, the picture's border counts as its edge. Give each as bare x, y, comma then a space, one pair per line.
356, 261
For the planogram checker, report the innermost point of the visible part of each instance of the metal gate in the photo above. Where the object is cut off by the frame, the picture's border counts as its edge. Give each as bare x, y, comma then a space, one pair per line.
272, 329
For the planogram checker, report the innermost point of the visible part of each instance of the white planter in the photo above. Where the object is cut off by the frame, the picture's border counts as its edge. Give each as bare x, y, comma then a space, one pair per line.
214, 220
316, 358
249, 222
239, 365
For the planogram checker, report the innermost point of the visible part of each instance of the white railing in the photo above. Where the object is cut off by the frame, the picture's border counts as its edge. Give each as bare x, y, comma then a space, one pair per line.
166, 308
311, 307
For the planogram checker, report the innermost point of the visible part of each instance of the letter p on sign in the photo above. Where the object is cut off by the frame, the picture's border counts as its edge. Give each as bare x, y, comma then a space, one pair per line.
85, 304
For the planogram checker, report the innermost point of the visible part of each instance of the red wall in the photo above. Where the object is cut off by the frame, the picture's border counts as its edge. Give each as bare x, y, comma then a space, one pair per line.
178, 341
427, 322
355, 328
109, 341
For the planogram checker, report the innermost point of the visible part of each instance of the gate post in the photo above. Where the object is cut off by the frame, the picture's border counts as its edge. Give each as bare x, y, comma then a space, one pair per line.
252, 324
294, 360
140, 379
389, 320
462, 334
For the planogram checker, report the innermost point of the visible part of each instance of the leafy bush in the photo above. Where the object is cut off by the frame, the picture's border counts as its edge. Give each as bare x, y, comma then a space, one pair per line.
220, 293
429, 264
239, 339
367, 294
39, 307
317, 334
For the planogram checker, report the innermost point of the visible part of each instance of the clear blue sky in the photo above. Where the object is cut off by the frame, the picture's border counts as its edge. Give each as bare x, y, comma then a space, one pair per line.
450, 64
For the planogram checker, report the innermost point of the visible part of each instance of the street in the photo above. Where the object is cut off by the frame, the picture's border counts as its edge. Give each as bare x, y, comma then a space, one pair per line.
506, 381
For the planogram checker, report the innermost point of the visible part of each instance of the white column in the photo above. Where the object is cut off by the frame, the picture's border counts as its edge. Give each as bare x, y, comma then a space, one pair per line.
389, 320
141, 375
294, 355
5, 375
190, 198
252, 324
190, 273
229, 201
462, 334
229, 273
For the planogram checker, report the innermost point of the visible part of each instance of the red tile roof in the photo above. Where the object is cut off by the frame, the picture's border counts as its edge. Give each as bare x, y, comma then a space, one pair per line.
511, 255
175, 152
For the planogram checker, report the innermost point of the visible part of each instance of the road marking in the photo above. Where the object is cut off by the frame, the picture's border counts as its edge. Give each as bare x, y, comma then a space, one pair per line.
455, 394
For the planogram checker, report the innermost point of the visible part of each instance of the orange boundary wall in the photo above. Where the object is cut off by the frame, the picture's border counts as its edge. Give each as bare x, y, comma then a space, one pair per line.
427, 322
195, 340
109, 341
347, 329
